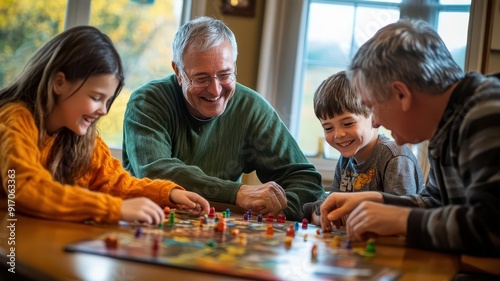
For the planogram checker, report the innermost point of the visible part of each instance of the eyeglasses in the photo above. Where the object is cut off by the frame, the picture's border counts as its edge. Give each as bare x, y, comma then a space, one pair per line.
205, 81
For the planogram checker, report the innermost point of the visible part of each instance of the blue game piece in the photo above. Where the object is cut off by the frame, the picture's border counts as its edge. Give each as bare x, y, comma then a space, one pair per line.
296, 225
228, 213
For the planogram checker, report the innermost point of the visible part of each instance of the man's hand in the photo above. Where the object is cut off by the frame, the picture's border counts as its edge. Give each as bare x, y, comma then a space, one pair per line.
262, 199
374, 219
339, 204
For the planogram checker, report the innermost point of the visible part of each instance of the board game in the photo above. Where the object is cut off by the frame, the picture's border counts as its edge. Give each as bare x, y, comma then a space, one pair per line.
248, 247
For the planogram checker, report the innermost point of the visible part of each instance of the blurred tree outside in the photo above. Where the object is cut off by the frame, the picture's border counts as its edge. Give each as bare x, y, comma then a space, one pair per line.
24, 26
142, 34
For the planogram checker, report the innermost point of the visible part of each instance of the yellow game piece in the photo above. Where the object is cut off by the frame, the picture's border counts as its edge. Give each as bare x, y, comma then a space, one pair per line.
242, 239
336, 241
288, 242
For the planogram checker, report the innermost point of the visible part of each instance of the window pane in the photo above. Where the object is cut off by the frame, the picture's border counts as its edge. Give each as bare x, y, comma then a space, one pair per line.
452, 2
25, 25
336, 29
143, 35
369, 20
329, 50
448, 24
326, 44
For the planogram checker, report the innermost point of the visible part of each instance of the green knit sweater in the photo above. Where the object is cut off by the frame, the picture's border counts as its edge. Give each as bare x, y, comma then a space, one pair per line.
162, 140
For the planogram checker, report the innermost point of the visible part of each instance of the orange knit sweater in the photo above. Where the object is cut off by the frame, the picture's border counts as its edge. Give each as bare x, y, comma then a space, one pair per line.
97, 195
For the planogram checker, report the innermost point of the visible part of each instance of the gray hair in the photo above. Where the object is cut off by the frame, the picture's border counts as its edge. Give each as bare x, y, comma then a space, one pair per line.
205, 33
409, 51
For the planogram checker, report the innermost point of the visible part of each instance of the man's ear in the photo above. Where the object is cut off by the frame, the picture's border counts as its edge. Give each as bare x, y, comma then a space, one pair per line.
58, 83
403, 95
177, 73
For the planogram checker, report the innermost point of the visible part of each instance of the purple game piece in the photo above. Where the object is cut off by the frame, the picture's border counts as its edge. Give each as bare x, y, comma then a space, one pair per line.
259, 218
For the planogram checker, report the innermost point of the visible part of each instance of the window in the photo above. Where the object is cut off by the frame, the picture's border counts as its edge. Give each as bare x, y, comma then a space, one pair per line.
336, 29
142, 31
24, 26
306, 41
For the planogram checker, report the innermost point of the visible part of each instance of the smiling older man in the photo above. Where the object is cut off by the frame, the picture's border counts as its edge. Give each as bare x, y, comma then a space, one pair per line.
202, 129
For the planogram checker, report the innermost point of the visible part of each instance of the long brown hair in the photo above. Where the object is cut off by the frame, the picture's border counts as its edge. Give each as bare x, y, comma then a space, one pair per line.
79, 52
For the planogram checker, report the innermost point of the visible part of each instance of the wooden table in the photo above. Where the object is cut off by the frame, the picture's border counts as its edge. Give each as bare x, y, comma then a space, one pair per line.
39, 255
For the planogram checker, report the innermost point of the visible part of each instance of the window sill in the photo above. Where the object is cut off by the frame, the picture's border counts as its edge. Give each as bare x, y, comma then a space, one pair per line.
326, 167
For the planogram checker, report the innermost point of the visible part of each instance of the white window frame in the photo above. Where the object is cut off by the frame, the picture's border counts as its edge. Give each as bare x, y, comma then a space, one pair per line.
78, 11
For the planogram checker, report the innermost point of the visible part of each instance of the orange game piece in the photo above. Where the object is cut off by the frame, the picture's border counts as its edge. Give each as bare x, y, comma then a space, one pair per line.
242, 239
270, 230
314, 252
111, 242
221, 226
167, 210
235, 232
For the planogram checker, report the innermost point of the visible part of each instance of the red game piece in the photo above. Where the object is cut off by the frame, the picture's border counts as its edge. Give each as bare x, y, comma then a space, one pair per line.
111, 242
305, 223
290, 231
281, 218
156, 245
167, 210
270, 217
211, 213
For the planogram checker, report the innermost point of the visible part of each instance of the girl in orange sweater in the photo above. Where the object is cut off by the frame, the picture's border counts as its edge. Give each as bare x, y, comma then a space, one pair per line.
53, 164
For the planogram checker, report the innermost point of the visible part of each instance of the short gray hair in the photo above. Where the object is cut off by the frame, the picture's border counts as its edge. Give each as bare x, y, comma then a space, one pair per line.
205, 33
409, 51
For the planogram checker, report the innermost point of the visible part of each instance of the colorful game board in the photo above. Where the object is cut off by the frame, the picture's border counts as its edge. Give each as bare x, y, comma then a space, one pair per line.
267, 250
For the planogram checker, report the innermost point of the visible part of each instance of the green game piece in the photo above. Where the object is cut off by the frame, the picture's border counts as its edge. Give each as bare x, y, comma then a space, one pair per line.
370, 246
224, 214
211, 243
171, 219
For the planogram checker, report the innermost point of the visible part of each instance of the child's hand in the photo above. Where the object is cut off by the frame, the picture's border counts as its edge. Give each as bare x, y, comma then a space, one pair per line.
189, 201
142, 209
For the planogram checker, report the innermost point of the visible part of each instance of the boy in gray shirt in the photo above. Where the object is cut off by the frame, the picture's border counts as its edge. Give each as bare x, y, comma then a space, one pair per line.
369, 161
